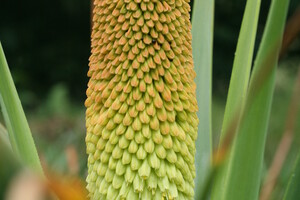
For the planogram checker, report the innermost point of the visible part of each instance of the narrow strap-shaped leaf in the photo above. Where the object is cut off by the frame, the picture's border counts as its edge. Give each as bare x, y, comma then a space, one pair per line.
284, 145
239, 78
18, 128
4, 136
292, 191
202, 43
242, 64
245, 162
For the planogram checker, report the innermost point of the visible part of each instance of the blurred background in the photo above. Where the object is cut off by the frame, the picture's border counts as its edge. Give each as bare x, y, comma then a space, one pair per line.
47, 46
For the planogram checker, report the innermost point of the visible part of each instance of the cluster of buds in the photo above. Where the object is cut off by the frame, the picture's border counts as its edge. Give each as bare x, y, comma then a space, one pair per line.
141, 104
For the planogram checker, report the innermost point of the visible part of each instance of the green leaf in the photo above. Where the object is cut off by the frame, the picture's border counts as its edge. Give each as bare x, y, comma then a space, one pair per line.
292, 191
242, 64
243, 177
4, 137
9, 165
16, 122
239, 79
8, 125
202, 44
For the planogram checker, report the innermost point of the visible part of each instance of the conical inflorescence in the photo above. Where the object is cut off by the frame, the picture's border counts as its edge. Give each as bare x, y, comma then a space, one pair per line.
141, 105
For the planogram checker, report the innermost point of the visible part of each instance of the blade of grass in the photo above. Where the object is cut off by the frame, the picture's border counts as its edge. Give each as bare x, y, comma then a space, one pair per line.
242, 179
285, 143
292, 191
18, 128
202, 32
240, 76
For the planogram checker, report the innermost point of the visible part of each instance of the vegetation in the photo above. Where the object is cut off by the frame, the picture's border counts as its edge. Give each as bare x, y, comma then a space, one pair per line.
233, 168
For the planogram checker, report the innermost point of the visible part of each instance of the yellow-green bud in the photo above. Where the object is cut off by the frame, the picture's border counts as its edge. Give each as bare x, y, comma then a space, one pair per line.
141, 106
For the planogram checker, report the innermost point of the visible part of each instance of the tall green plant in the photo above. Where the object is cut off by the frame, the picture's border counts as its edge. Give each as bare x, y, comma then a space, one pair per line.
238, 82
246, 156
16, 122
247, 111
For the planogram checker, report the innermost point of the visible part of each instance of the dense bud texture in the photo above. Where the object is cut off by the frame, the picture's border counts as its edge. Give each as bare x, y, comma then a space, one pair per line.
141, 105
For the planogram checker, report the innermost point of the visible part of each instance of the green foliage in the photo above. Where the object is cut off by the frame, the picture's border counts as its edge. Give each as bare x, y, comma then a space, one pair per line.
292, 190
18, 128
8, 166
242, 65
4, 136
202, 32
247, 109
239, 81
246, 156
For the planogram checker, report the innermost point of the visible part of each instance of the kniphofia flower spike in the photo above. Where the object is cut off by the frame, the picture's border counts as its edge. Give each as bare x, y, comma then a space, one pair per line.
141, 106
